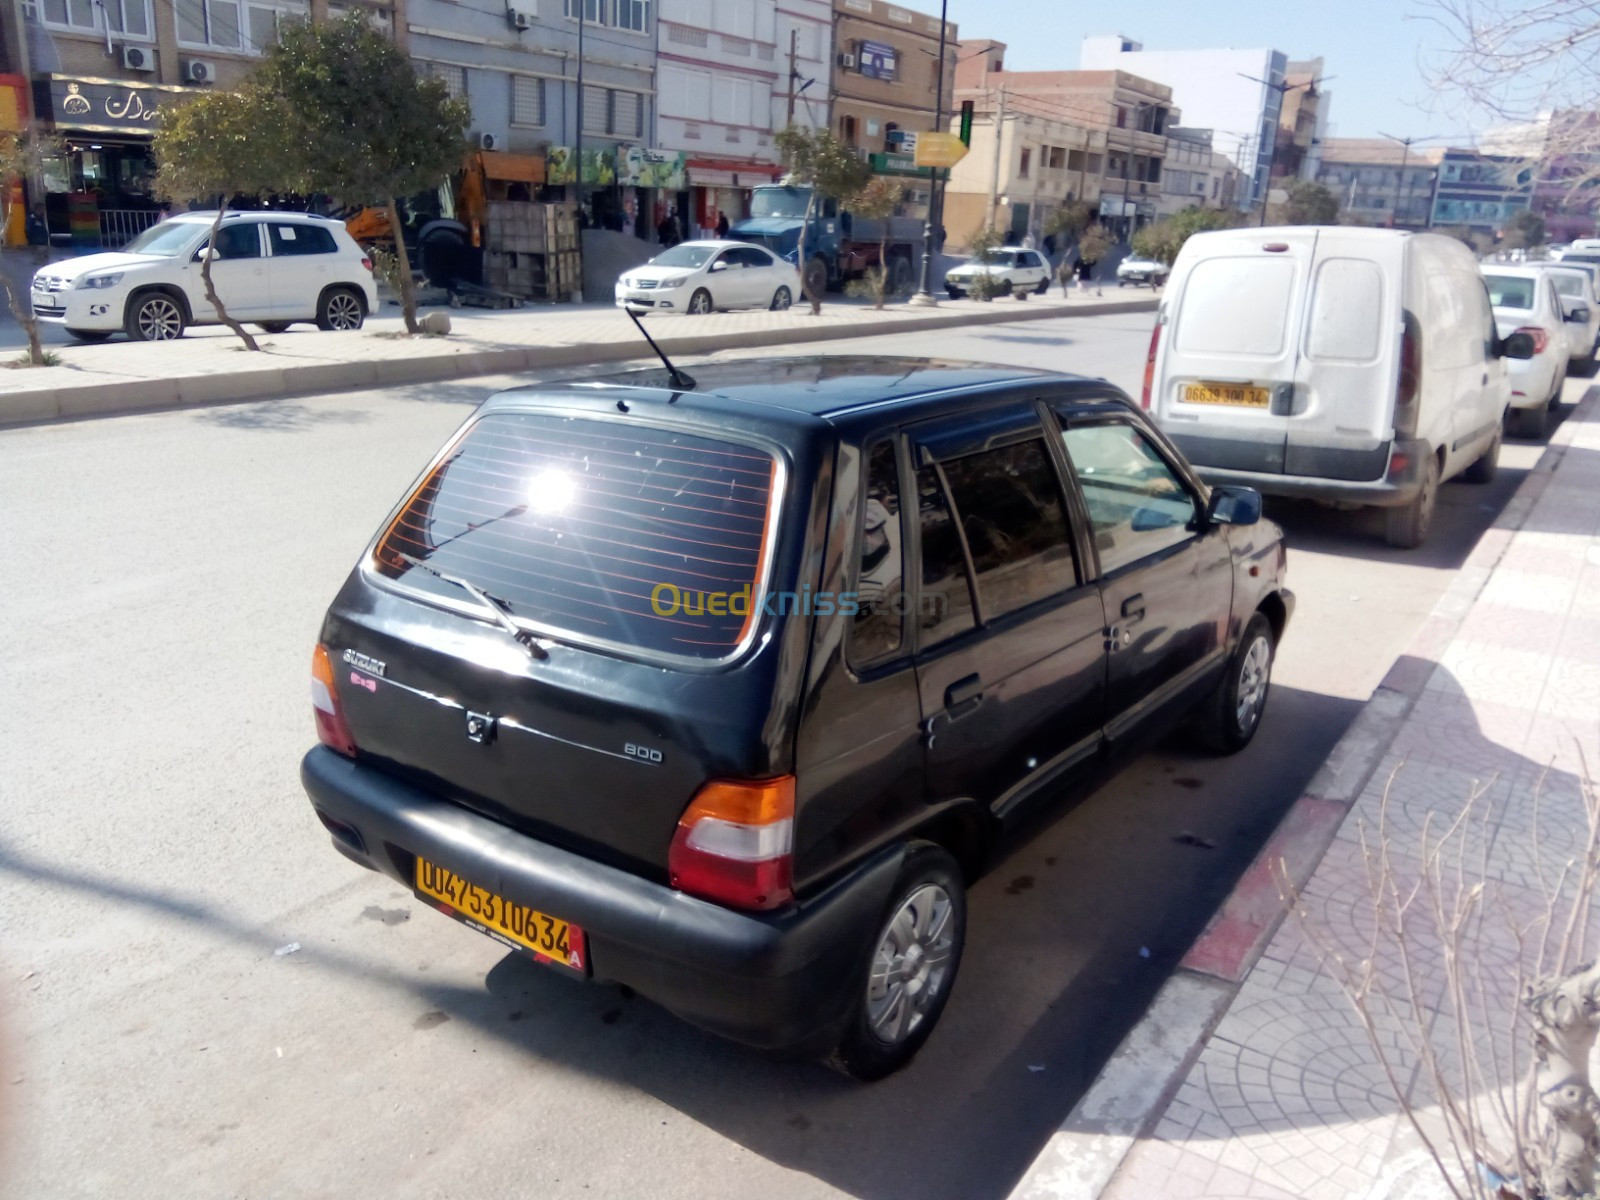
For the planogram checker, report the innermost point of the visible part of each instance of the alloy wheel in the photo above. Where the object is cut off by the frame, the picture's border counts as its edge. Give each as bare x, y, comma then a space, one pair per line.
344, 311
159, 320
1254, 673
911, 968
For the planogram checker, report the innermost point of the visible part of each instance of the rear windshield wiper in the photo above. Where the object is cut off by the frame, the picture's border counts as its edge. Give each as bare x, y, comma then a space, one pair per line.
498, 608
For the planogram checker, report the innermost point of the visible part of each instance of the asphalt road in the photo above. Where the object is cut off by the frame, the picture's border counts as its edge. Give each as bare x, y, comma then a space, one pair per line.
165, 576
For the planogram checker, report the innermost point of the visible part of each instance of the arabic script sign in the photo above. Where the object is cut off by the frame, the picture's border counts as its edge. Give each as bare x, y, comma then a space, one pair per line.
103, 105
640, 166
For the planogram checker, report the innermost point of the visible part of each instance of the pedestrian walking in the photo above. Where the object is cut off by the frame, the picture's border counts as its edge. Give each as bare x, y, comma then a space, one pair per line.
722, 224
1085, 272
668, 229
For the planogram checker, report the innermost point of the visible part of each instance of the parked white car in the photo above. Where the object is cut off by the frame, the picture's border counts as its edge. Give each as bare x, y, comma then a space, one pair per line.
270, 268
703, 277
1525, 300
1019, 272
1137, 270
1578, 285
1353, 366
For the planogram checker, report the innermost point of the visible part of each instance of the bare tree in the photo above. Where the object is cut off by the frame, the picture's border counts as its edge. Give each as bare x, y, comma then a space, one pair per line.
22, 154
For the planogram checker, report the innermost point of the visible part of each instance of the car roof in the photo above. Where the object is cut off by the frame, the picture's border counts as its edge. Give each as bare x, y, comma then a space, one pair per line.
814, 385
199, 216
717, 243
1528, 270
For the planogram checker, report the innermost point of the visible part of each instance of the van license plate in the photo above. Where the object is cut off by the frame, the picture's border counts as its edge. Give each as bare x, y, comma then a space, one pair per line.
548, 939
1224, 393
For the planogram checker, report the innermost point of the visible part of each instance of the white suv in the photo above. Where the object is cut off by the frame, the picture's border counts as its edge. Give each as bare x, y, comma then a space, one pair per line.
270, 268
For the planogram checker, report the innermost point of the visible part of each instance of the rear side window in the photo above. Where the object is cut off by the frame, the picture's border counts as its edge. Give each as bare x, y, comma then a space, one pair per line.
879, 581
1236, 306
1510, 291
1011, 512
1346, 311
1566, 283
945, 609
300, 239
645, 537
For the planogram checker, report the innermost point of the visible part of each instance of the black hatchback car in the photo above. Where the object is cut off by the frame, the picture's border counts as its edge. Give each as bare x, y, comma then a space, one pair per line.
725, 689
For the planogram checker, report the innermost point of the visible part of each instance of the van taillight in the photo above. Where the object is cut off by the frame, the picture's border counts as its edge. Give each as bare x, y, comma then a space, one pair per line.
331, 727
1150, 366
1410, 381
735, 843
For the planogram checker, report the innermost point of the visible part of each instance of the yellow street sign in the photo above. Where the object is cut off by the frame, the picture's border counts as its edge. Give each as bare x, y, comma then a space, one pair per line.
939, 150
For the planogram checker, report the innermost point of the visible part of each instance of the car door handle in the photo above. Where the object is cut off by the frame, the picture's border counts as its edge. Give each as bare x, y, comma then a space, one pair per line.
963, 696
1133, 609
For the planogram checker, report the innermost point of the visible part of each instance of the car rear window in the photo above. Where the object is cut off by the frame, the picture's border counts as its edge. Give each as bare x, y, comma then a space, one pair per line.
629, 534
1236, 306
1510, 291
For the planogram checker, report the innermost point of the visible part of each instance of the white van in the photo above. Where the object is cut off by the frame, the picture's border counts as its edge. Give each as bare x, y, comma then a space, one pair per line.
1356, 366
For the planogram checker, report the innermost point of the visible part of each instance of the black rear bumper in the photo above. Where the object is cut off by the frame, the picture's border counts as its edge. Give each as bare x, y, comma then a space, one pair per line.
777, 981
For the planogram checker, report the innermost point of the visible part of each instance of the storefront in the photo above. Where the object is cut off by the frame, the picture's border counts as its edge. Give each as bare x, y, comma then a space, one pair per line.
101, 191
723, 186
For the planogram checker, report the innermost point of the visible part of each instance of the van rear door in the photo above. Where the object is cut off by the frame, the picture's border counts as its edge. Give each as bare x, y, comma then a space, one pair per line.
1228, 357
1341, 419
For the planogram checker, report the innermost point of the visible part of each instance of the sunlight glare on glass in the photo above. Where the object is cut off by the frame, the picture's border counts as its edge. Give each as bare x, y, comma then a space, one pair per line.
550, 491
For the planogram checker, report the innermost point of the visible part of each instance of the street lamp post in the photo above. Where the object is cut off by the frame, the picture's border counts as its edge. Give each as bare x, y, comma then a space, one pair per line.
1401, 193
924, 294
577, 149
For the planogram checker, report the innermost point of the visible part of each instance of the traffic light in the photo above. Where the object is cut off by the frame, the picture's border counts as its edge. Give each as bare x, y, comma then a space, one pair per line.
966, 123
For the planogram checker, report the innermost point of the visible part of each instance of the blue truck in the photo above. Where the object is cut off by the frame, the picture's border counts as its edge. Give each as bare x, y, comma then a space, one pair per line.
839, 245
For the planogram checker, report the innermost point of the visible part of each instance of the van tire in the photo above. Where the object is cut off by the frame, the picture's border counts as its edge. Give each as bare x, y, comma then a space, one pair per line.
861, 1053
1406, 527
1228, 718
1487, 465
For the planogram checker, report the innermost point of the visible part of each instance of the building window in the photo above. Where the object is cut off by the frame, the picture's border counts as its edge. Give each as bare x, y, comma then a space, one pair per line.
1058, 158
847, 131
225, 24
632, 15
131, 18
1027, 161
527, 100
613, 113
455, 78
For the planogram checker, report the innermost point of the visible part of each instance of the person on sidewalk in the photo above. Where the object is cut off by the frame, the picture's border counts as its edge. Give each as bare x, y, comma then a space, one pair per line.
37, 231
722, 225
1085, 274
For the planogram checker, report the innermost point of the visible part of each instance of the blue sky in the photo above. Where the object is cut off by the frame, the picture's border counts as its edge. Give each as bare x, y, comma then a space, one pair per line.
1371, 48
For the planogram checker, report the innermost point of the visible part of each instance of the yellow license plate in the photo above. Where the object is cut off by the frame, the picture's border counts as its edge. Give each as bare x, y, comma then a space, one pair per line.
1225, 393
548, 939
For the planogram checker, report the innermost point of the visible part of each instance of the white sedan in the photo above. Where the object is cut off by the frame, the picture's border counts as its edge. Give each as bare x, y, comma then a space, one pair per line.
1136, 270
702, 277
1525, 300
1018, 272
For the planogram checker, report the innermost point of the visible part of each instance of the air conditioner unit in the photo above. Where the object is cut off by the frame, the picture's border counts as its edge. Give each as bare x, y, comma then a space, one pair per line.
489, 141
847, 61
138, 58
197, 70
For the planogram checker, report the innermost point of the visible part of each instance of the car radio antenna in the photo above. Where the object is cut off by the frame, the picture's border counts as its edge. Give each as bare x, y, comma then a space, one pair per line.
680, 380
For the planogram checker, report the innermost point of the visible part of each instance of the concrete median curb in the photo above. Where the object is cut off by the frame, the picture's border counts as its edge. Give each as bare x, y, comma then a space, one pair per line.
1127, 1098
452, 360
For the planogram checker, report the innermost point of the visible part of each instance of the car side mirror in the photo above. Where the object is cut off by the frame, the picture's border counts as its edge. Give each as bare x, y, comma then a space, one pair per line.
1579, 315
1234, 506
1517, 345
719, 266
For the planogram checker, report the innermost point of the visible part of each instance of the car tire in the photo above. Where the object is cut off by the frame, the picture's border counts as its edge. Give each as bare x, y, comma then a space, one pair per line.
90, 335
897, 1006
953, 293
1487, 465
1228, 718
700, 303
1532, 422
154, 317
1044, 287
272, 326
341, 309
1406, 527
815, 278
1006, 287
781, 300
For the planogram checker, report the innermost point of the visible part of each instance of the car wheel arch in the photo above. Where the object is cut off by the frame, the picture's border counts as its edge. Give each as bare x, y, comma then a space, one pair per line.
172, 291
350, 286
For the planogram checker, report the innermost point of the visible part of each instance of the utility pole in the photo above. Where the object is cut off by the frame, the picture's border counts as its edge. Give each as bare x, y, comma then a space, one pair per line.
924, 294
1405, 159
794, 73
577, 148
999, 119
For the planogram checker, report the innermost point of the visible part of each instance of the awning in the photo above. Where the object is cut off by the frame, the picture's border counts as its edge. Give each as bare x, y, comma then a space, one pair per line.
513, 168
730, 172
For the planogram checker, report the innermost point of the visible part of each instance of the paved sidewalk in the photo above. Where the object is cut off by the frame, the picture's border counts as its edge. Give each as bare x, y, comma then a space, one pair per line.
209, 365
1252, 1075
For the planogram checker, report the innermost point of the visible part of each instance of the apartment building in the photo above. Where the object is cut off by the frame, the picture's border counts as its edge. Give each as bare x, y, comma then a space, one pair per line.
1302, 121
1235, 93
1196, 174
1378, 182
1560, 144
886, 61
1132, 112
1481, 191
1020, 168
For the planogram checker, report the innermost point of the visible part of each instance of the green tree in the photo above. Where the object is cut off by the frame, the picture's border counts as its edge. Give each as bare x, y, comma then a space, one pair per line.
1094, 244
1309, 204
1068, 221
877, 201
982, 245
216, 144
1524, 230
22, 154
1162, 240
366, 127
817, 160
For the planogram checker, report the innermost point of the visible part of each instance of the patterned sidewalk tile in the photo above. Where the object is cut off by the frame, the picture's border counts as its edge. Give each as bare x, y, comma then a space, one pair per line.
1572, 692
1493, 674
1529, 592
1451, 729
1511, 628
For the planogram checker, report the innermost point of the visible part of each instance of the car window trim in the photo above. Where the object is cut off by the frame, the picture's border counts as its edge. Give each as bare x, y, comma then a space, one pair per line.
901, 651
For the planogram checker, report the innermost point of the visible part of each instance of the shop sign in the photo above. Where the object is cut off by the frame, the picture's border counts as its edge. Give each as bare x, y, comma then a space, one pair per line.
876, 60
640, 166
897, 164
599, 167
103, 105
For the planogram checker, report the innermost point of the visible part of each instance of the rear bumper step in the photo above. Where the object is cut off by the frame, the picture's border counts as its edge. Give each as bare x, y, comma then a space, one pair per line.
1395, 487
778, 981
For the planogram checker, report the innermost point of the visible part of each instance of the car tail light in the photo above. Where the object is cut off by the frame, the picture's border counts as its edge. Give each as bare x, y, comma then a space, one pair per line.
1541, 339
735, 843
331, 727
366, 262
1150, 366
